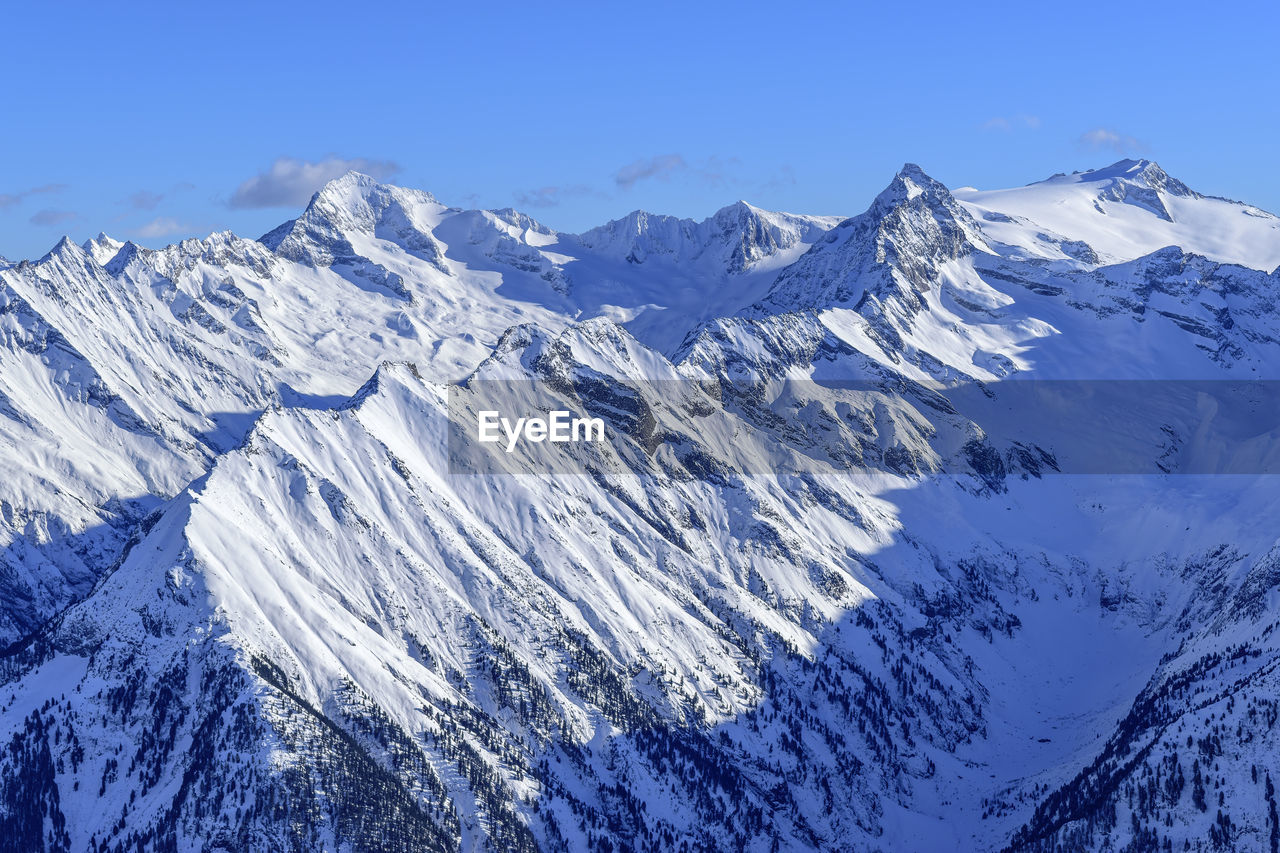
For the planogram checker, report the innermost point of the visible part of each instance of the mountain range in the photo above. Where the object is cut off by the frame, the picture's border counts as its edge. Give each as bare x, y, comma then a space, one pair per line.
800, 603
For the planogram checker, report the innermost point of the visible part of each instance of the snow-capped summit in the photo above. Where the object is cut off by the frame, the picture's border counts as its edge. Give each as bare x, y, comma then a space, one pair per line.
352, 209
128, 253
917, 215
737, 236
1140, 173
67, 251
899, 244
1124, 211
662, 275
752, 234
356, 199
910, 183
102, 248
1138, 182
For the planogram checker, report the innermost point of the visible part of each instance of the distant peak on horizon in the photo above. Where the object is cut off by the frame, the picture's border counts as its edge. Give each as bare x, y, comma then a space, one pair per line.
353, 184
1124, 167
356, 197
1141, 172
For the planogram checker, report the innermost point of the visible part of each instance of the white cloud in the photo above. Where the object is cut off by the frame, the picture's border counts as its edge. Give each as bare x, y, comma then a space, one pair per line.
784, 177
661, 166
1007, 124
551, 196
291, 182
50, 217
1105, 137
541, 197
12, 199
145, 200
161, 226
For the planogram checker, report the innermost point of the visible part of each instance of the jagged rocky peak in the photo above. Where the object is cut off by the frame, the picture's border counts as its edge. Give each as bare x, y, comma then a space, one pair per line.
744, 349
388, 373
220, 249
912, 199
752, 234
640, 235
66, 261
1146, 174
916, 220
602, 342
65, 250
520, 222
744, 216
910, 182
736, 236
102, 248
897, 246
528, 349
1137, 182
128, 253
517, 351
356, 204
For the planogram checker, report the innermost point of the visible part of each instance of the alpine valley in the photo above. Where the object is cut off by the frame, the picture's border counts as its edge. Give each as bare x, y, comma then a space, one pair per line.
247, 603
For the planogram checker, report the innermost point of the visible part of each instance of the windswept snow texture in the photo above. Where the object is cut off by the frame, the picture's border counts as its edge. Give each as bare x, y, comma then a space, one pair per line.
247, 604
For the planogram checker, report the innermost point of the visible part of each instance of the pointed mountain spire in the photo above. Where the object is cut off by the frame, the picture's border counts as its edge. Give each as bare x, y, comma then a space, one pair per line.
913, 227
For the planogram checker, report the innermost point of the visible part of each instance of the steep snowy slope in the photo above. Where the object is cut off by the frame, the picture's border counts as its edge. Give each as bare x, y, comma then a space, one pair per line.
190, 343
822, 660
800, 599
125, 377
81, 468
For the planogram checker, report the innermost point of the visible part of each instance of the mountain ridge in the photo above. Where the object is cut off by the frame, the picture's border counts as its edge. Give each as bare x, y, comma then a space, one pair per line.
1139, 172
799, 601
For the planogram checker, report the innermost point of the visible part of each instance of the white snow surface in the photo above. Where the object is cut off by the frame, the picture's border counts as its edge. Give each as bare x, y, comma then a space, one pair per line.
1127, 210
231, 529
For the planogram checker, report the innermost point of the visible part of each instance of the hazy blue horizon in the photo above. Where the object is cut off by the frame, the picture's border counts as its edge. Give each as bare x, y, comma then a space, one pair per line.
166, 123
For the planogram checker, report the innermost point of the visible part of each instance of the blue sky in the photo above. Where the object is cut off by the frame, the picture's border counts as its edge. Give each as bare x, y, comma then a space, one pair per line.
159, 121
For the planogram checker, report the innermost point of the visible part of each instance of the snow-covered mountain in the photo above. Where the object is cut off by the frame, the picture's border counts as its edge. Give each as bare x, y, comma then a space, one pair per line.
802, 599
1127, 210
